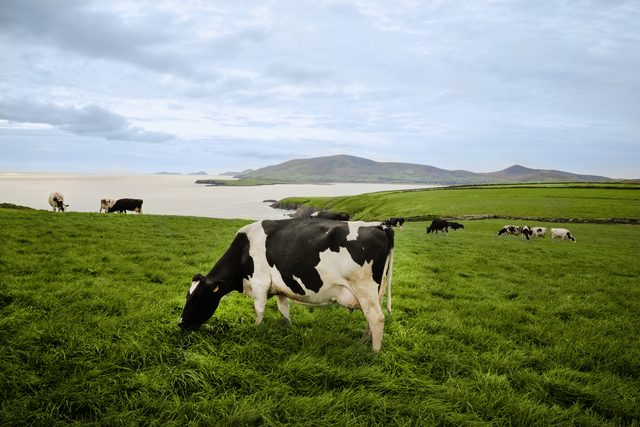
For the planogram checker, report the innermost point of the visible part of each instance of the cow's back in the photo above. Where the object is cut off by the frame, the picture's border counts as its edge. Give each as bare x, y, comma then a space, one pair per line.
297, 248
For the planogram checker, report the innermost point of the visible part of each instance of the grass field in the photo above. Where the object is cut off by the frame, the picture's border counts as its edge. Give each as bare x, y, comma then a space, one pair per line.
486, 330
550, 201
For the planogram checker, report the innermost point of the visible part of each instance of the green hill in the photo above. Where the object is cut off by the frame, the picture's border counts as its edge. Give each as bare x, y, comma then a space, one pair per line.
343, 168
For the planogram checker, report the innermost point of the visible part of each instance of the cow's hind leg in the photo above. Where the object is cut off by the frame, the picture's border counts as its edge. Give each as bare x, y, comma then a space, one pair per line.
375, 318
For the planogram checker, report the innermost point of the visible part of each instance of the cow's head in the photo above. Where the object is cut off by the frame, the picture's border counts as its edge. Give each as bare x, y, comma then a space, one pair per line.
202, 301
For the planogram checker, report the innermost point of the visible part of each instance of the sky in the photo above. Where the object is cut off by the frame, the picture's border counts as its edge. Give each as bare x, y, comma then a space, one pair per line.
110, 86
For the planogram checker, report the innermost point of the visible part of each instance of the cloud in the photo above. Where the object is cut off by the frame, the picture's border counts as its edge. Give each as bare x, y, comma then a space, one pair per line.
90, 120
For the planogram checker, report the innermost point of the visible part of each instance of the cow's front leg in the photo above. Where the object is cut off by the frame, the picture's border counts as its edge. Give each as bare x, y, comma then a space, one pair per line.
259, 304
283, 306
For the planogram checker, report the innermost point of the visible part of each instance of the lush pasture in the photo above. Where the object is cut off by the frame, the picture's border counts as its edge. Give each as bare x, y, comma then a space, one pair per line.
486, 330
544, 201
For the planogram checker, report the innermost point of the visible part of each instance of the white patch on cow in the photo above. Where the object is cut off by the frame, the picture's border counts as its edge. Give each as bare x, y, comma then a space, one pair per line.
193, 287
354, 227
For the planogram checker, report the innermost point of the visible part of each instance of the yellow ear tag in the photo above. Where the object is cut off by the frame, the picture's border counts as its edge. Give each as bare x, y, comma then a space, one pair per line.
216, 289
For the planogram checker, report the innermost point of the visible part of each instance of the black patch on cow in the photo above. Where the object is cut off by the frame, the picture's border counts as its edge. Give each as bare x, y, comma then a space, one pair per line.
59, 204
294, 247
236, 264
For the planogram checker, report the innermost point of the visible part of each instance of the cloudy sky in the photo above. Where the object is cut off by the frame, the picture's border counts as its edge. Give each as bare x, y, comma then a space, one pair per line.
184, 86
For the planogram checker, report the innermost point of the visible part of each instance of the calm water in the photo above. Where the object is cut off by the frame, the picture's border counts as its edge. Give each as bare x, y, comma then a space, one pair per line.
168, 194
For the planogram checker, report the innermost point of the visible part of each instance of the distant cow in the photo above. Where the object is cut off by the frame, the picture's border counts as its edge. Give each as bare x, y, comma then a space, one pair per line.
455, 225
538, 232
438, 225
341, 216
510, 229
56, 200
562, 233
314, 262
394, 222
525, 232
124, 205
106, 204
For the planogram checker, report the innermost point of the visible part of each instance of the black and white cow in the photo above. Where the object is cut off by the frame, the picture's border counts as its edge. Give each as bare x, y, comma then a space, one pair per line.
56, 200
340, 216
562, 233
106, 204
314, 262
455, 225
438, 225
124, 205
538, 232
394, 222
510, 229
525, 232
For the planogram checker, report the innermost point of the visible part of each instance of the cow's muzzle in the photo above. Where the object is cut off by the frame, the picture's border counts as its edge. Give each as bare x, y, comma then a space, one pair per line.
184, 326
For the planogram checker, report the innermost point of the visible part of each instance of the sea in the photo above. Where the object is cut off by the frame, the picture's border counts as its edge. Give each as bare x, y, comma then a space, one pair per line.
171, 194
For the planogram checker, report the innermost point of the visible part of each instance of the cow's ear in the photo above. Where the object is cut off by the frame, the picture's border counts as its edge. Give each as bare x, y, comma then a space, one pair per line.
198, 278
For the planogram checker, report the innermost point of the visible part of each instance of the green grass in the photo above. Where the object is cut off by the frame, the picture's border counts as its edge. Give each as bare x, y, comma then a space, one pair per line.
486, 330
544, 202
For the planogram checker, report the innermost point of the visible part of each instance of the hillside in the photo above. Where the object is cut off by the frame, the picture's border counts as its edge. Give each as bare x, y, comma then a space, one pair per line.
343, 168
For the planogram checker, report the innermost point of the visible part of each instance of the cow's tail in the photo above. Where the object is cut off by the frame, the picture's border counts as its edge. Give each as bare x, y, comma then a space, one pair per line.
388, 274
388, 267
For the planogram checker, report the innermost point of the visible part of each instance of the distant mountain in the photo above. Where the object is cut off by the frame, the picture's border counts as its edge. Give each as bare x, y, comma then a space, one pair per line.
167, 173
236, 174
343, 168
523, 174
198, 173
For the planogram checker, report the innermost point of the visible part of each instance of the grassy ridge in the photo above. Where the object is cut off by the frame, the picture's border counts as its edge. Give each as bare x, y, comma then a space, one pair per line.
240, 182
554, 202
486, 330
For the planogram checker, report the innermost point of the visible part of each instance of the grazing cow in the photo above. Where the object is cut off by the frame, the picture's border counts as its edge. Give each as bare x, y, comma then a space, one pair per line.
314, 262
56, 200
525, 232
455, 225
438, 225
106, 204
538, 232
394, 222
341, 216
510, 229
562, 233
124, 205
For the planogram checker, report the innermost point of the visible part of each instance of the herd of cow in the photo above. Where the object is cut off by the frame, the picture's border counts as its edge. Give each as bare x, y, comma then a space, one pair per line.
56, 200
525, 231
321, 260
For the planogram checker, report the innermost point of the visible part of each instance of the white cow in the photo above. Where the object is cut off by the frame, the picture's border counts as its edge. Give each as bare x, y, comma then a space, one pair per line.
561, 233
56, 200
106, 204
538, 232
